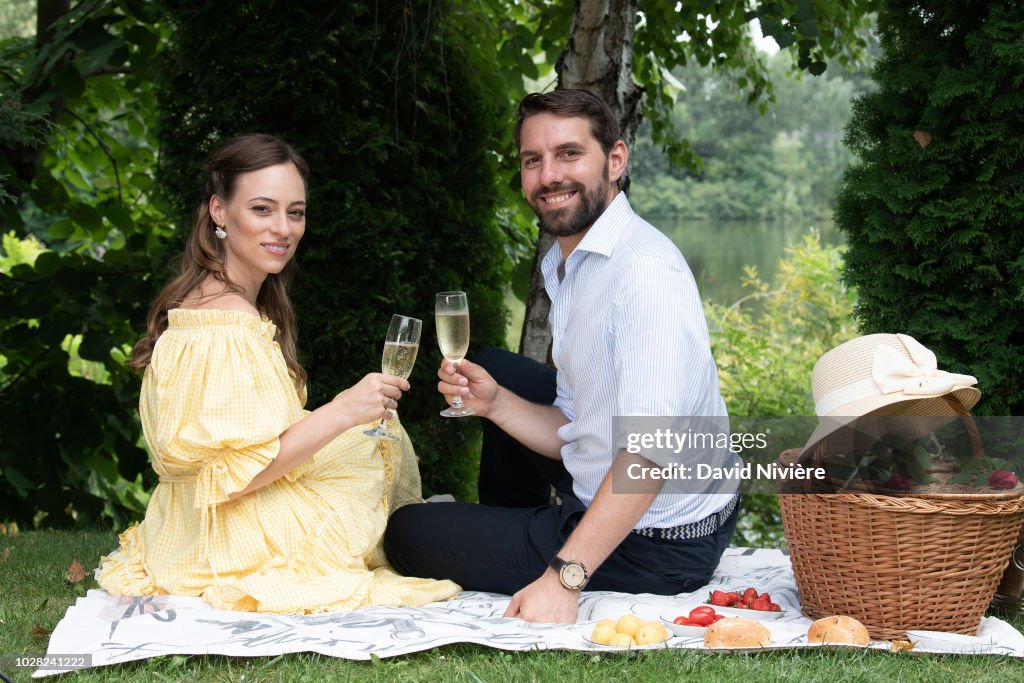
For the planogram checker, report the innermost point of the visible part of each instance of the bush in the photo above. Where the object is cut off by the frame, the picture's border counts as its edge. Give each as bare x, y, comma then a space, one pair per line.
933, 208
395, 119
766, 345
76, 159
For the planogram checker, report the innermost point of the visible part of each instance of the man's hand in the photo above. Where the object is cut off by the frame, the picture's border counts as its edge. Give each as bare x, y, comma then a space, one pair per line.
477, 388
546, 601
531, 424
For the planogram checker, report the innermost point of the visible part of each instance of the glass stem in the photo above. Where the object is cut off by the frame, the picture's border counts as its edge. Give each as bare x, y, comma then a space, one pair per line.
457, 403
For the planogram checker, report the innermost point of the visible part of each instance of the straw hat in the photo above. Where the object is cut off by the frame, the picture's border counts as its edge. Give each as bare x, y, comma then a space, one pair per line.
885, 375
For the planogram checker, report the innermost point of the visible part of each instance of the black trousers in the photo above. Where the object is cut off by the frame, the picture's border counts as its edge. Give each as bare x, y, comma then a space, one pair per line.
506, 541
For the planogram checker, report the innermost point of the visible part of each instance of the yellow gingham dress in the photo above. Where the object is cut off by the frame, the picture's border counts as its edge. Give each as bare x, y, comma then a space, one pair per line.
215, 398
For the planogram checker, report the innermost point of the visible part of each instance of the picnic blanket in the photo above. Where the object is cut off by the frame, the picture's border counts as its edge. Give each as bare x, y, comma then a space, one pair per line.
113, 629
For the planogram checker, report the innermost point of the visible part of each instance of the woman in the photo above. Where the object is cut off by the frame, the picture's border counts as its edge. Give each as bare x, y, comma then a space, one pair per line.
261, 505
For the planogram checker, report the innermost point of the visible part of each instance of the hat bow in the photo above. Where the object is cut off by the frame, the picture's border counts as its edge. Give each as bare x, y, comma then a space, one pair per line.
918, 375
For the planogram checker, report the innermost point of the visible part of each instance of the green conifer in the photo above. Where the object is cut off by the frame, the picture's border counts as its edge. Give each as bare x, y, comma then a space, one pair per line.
934, 208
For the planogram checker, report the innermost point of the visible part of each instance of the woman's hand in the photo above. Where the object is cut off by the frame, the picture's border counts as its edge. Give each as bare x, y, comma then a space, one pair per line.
371, 398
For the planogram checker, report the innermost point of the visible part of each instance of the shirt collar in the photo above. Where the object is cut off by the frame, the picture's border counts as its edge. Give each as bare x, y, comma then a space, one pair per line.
600, 238
604, 233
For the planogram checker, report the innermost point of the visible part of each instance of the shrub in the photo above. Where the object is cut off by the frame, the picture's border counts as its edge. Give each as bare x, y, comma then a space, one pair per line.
766, 345
932, 209
80, 227
395, 121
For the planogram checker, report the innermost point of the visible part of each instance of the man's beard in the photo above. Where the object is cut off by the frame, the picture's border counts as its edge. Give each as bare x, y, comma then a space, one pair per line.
566, 222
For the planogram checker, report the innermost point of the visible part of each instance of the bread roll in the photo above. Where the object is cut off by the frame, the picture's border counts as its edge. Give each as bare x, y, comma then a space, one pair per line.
838, 629
737, 632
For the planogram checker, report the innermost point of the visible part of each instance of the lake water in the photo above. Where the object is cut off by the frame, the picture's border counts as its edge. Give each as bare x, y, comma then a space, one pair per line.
716, 252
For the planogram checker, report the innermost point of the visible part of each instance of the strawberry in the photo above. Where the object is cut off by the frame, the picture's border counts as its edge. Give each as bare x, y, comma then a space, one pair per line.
775, 608
749, 596
761, 605
719, 598
733, 599
765, 596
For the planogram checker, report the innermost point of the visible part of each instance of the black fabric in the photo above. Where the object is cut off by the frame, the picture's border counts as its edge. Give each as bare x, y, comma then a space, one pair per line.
500, 549
511, 475
506, 542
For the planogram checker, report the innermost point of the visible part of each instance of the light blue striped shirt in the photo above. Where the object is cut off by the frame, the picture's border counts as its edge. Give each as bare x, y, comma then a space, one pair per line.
629, 338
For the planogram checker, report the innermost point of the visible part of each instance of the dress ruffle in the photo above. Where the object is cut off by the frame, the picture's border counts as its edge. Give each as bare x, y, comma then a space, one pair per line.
124, 572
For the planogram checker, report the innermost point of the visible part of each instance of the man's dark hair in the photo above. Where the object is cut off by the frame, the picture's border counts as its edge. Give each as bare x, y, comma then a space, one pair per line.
586, 105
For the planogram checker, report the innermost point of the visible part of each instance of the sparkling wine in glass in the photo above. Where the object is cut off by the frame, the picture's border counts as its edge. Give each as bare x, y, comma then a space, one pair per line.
451, 314
400, 348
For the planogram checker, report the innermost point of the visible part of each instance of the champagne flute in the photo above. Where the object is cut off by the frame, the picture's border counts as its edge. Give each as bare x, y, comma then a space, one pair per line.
400, 348
451, 315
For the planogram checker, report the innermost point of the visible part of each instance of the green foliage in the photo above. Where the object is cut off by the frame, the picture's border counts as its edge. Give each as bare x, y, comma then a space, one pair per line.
532, 34
17, 18
18, 251
934, 206
718, 35
78, 161
394, 109
765, 352
783, 167
891, 462
71, 445
766, 345
513, 47
976, 471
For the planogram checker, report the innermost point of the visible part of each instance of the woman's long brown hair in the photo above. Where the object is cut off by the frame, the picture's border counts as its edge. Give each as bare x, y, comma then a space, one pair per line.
204, 254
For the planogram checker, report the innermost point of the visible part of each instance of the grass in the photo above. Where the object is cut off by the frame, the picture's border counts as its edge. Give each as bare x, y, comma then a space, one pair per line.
36, 595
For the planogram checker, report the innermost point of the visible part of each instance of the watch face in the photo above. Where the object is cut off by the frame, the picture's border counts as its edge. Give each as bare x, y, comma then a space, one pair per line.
573, 574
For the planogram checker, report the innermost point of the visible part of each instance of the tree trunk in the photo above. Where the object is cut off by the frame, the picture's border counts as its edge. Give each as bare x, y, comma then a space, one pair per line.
598, 58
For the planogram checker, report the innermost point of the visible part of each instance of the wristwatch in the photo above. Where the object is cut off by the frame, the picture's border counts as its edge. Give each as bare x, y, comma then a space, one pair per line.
573, 575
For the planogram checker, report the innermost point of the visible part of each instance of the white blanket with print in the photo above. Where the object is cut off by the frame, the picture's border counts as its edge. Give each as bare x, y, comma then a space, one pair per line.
113, 630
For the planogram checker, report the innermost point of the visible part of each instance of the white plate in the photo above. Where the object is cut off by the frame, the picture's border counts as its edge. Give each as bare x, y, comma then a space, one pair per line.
755, 614
950, 642
679, 629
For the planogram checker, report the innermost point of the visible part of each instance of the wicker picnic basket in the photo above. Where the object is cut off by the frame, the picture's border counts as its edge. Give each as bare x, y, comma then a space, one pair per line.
930, 558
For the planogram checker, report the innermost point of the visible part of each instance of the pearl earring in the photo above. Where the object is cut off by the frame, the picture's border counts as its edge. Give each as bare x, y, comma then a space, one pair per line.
219, 232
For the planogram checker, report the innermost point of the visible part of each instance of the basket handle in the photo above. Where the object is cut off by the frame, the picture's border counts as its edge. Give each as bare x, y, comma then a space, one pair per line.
977, 448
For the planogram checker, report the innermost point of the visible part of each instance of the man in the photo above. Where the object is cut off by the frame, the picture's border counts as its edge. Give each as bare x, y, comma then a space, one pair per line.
629, 338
